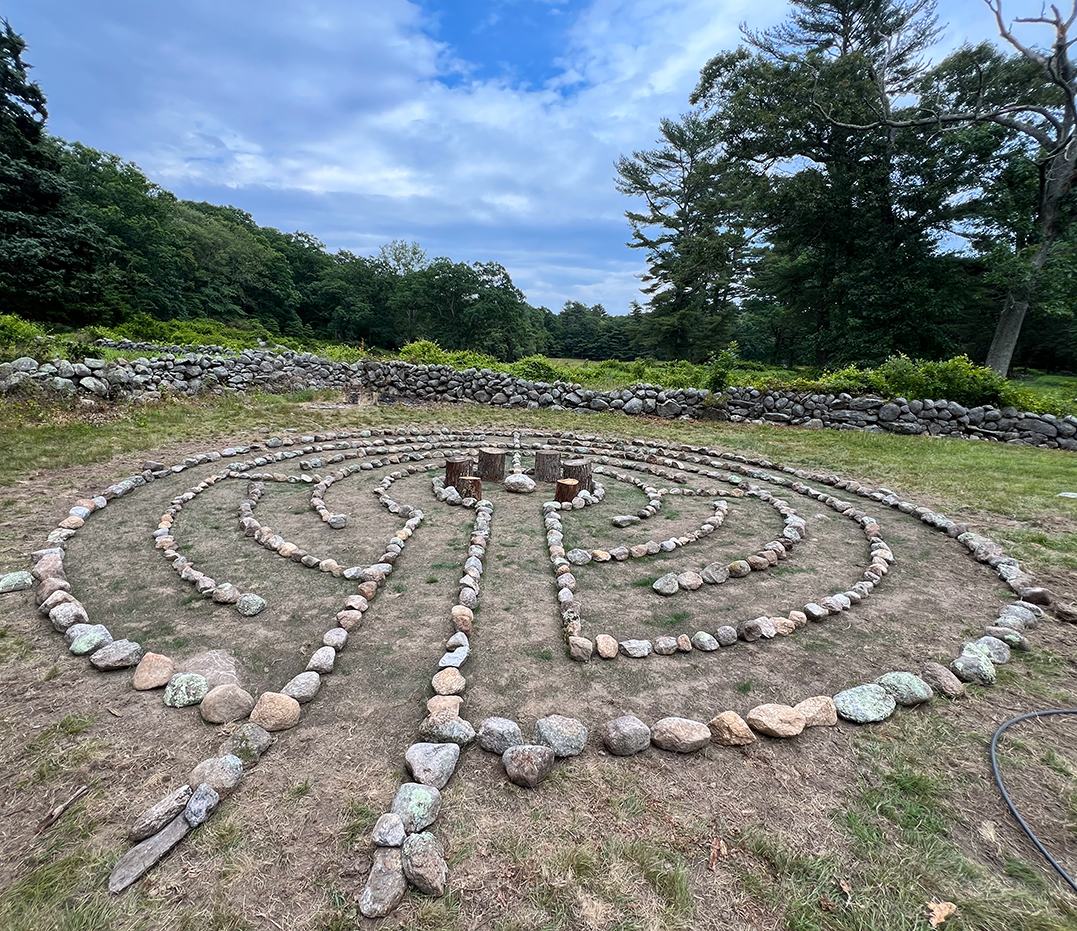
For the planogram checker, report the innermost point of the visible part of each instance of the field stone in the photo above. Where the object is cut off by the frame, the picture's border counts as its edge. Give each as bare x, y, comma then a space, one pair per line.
90, 640
20, 581
218, 667
520, 484
250, 604
449, 682
56, 598
154, 671
65, 615
776, 720
1066, 612
159, 814
565, 736
680, 735
226, 594
1014, 639
417, 805
275, 711
449, 703
907, 688
322, 661
701, 640
385, 886
220, 773
185, 689
580, 649
738, 569
446, 727
424, 863
942, 680
715, 574
865, 704
388, 831
303, 687
974, 667
528, 765
248, 742
729, 729
75, 631
141, 858
997, 650
335, 638
120, 654
818, 711
226, 703
432, 764
665, 646
726, 635
626, 735
637, 649
1018, 612
607, 647
202, 804
496, 735
50, 587
666, 584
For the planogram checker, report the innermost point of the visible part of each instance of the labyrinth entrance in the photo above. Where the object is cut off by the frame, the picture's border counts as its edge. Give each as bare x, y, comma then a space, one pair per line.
676, 600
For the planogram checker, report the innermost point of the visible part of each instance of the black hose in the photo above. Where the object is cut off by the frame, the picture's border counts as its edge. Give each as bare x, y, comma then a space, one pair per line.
1006, 797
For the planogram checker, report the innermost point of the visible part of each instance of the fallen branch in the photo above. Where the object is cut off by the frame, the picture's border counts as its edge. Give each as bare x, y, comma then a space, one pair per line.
58, 811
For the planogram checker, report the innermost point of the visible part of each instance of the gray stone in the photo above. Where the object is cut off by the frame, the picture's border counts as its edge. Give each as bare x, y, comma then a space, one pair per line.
974, 667
637, 649
496, 735
417, 805
565, 736
432, 764
446, 727
303, 687
865, 704
942, 680
424, 863
120, 654
184, 689
202, 804
519, 483
997, 650
907, 688
90, 640
322, 661
528, 765
626, 736
248, 742
16, 582
726, 635
701, 640
624, 520
250, 604
1014, 639
67, 614
578, 557
141, 858
715, 574
385, 886
158, 815
667, 584
226, 703
388, 831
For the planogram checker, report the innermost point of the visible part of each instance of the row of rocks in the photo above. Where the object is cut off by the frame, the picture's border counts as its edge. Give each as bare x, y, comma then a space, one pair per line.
192, 373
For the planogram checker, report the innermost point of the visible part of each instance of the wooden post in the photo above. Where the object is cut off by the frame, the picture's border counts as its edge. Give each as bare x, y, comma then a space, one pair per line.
565, 489
547, 465
492, 464
456, 467
470, 487
579, 469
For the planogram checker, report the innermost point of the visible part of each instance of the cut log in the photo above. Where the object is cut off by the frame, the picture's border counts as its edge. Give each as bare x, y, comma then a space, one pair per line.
492, 464
566, 489
579, 469
470, 487
547, 465
456, 467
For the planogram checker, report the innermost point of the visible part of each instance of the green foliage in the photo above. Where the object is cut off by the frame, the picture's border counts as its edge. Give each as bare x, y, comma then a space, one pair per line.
539, 368
720, 367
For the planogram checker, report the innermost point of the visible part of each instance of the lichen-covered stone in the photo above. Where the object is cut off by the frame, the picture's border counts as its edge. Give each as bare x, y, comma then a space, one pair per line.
865, 704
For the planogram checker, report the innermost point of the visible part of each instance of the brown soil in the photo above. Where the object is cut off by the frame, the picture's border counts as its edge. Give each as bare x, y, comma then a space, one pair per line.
291, 849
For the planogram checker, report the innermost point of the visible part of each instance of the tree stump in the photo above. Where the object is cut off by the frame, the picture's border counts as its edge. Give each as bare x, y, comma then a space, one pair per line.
547, 465
579, 469
470, 487
566, 489
492, 464
456, 467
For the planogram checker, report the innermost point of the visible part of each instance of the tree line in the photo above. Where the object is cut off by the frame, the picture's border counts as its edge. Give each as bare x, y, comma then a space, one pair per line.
833, 196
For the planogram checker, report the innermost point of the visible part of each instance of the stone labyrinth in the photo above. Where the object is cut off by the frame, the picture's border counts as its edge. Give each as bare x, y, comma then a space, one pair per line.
406, 470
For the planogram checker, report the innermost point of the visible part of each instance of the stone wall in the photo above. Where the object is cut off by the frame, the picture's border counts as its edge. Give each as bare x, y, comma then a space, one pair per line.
177, 372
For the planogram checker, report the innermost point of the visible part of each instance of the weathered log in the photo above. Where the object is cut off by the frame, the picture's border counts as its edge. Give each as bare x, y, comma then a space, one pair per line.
547, 465
492, 464
456, 467
470, 487
579, 469
566, 489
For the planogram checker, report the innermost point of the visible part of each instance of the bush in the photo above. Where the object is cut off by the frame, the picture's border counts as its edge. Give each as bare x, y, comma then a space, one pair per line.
538, 368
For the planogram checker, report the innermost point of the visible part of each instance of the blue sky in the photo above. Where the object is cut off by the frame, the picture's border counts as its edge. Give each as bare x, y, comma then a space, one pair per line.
486, 130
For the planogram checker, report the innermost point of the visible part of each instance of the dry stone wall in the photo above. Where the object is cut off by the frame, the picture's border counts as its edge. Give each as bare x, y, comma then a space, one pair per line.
160, 371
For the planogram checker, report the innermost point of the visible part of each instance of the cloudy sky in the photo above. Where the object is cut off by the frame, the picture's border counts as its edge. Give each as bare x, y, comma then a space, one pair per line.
486, 130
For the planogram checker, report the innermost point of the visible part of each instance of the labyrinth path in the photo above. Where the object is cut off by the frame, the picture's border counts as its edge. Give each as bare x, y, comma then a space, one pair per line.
666, 576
